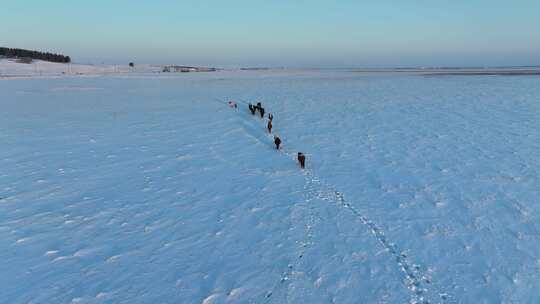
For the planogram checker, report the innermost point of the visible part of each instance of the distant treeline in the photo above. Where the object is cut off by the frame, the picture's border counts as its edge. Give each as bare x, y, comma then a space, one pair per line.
21, 53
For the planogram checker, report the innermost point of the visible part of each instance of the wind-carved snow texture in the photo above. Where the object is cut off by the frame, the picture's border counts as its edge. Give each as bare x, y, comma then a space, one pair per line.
141, 189
417, 282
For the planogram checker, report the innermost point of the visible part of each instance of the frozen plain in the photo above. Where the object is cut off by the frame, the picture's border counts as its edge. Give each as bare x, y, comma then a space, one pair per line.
149, 189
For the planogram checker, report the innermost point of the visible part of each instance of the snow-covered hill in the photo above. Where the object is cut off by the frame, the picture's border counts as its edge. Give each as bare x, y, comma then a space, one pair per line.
10, 68
152, 190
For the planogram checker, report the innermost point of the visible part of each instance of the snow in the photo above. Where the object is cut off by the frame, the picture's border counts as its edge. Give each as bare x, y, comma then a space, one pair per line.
150, 189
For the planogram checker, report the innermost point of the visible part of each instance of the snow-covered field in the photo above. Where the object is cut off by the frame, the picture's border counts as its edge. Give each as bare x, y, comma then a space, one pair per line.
149, 189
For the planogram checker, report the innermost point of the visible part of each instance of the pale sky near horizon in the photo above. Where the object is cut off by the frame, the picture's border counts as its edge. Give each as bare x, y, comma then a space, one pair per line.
301, 33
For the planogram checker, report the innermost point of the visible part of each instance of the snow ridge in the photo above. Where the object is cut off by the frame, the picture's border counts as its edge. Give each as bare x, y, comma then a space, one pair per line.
416, 281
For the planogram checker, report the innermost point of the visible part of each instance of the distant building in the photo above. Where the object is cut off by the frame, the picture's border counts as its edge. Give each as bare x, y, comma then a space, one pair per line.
186, 69
183, 69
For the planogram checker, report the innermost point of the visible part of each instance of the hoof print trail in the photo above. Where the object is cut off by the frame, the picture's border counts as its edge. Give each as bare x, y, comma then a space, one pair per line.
414, 279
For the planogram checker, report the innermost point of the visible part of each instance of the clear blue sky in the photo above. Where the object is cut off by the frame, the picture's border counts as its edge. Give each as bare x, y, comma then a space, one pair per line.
279, 32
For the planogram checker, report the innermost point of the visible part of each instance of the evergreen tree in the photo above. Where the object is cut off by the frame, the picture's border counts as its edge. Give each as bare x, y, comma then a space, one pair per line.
22, 53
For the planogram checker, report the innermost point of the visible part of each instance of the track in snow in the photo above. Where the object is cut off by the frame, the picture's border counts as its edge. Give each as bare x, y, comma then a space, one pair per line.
416, 280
